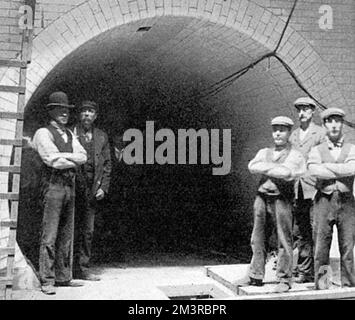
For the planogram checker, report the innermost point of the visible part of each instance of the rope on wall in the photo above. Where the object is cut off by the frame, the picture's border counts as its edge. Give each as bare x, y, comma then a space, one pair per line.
229, 80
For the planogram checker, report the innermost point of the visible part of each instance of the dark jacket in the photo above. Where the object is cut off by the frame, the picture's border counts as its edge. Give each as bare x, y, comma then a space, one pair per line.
102, 159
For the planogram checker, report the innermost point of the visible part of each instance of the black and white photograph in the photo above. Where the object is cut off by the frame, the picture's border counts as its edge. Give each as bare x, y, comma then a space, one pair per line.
182, 151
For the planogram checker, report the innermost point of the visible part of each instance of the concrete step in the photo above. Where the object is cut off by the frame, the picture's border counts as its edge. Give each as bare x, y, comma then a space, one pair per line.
227, 275
268, 288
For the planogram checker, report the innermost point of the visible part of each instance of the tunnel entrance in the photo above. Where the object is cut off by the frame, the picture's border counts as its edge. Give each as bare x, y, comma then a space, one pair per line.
155, 74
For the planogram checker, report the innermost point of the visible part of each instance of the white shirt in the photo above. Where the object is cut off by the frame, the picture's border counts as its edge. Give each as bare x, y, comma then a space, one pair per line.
303, 133
43, 142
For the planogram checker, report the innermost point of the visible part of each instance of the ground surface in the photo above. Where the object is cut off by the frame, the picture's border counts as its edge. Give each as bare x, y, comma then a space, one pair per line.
128, 281
141, 277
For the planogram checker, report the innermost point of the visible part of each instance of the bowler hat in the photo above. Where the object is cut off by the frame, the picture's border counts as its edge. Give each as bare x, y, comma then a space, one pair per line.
332, 112
282, 121
88, 104
58, 99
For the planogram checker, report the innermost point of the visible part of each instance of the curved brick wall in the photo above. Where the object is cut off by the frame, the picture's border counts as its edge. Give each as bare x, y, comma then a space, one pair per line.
237, 32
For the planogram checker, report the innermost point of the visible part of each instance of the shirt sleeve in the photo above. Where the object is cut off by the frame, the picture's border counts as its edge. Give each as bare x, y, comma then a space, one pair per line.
319, 171
43, 142
254, 164
344, 169
296, 163
351, 155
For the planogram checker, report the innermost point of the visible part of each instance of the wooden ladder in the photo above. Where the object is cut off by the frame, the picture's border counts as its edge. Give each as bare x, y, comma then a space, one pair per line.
6, 281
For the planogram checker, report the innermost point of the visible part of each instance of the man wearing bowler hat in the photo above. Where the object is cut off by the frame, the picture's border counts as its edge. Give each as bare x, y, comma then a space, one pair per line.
61, 154
93, 182
279, 166
304, 138
332, 163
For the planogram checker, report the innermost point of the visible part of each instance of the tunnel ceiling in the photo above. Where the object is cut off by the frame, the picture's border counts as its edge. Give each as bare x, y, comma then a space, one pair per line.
175, 57
156, 74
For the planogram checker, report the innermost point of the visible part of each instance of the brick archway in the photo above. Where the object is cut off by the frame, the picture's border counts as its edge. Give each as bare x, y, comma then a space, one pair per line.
92, 18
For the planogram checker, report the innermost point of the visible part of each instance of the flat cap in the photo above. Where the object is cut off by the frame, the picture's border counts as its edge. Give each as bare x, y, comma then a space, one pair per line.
282, 121
88, 104
305, 101
332, 112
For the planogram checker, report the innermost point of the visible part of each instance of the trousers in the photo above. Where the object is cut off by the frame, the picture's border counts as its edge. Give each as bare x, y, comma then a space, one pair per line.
272, 214
303, 234
56, 245
329, 210
84, 224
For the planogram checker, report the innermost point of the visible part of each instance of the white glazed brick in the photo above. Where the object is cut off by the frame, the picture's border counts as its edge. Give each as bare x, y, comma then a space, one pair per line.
142, 5
81, 21
235, 4
242, 10
70, 39
107, 12
101, 21
215, 13
94, 5
88, 14
117, 15
72, 24
168, 6
231, 18
151, 8
209, 5
184, 7
124, 6
225, 7
192, 3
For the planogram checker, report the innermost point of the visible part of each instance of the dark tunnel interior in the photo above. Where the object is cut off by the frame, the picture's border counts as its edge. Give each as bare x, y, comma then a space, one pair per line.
152, 208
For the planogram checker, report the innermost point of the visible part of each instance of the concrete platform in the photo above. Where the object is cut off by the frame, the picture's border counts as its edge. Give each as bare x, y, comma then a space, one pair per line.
227, 275
141, 283
269, 288
161, 279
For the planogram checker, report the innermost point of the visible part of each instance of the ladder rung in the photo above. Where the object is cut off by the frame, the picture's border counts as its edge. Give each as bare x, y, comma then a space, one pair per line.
13, 169
9, 223
8, 250
14, 89
6, 281
11, 142
11, 115
13, 63
9, 196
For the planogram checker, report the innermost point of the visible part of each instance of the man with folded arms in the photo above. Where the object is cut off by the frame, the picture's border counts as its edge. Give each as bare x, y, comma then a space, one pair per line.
333, 164
61, 154
279, 166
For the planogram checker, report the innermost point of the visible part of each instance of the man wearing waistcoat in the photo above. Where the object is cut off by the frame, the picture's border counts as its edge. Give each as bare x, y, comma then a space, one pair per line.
279, 167
333, 164
93, 182
303, 139
61, 154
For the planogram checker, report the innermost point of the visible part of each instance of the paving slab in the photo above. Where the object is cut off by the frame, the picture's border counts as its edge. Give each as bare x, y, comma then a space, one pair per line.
229, 274
268, 288
143, 283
